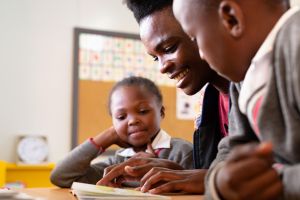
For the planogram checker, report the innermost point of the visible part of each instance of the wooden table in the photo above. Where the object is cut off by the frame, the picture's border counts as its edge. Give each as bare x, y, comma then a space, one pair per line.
64, 194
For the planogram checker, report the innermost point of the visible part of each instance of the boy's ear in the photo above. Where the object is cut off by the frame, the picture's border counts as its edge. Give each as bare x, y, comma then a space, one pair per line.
232, 17
162, 112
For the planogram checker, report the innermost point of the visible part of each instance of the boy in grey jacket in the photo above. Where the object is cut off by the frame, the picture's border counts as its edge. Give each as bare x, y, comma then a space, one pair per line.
255, 43
135, 104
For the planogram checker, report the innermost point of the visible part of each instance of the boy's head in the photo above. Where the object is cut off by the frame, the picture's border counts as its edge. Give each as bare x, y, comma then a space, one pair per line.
166, 42
135, 104
229, 32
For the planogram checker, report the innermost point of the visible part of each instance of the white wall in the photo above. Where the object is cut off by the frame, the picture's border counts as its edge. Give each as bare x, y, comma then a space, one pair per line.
295, 2
36, 65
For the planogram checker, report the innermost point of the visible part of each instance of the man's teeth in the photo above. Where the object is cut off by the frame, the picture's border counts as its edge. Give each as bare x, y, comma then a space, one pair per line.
181, 75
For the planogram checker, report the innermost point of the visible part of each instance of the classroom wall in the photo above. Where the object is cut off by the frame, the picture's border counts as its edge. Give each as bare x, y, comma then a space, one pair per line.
295, 2
36, 65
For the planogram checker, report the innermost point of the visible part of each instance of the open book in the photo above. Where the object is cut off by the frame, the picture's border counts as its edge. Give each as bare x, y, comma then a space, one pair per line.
85, 191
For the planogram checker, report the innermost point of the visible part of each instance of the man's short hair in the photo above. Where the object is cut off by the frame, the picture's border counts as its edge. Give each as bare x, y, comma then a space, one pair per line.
144, 8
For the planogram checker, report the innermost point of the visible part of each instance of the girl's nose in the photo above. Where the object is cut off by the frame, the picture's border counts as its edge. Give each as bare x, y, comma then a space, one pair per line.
133, 120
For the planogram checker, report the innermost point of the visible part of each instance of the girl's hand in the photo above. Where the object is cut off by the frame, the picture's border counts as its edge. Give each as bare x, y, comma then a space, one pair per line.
149, 154
248, 174
109, 137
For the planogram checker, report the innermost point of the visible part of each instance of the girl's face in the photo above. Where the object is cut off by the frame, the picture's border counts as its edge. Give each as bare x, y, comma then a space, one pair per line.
136, 115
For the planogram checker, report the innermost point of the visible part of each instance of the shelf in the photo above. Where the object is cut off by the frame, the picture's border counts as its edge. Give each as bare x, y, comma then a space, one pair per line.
25, 175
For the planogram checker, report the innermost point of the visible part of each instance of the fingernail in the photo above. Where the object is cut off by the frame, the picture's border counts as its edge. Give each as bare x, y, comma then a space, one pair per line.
264, 148
143, 189
128, 168
152, 191
265, 145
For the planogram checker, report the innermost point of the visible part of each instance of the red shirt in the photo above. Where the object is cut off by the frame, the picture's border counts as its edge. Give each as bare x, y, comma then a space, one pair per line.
223, 113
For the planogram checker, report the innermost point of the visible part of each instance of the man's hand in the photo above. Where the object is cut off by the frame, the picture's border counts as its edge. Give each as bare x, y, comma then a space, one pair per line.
133, 169
161, 180
248, 174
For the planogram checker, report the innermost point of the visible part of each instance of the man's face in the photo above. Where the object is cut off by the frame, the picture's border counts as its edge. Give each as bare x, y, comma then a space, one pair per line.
175, 53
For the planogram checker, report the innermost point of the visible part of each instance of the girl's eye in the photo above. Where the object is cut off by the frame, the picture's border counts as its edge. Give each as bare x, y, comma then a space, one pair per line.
144, 111
120, 117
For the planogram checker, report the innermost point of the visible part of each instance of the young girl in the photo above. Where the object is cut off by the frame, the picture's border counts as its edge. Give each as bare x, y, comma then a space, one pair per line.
135, 104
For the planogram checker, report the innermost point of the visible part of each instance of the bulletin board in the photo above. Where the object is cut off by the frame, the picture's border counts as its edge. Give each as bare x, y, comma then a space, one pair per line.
100, 59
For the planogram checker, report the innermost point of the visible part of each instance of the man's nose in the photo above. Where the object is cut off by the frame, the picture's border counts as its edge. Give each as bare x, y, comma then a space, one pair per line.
166, 66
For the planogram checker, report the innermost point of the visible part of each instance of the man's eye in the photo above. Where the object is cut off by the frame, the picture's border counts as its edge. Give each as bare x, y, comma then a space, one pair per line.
155, 58
193, 39
170, 49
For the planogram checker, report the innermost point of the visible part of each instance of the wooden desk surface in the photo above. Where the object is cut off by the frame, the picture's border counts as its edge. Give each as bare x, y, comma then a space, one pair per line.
64, 194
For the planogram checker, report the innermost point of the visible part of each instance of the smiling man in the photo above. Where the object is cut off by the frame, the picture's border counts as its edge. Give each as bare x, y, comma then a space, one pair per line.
177, 56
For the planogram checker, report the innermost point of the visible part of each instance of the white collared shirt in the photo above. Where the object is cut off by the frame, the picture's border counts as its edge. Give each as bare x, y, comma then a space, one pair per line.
161, 141
258, 74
